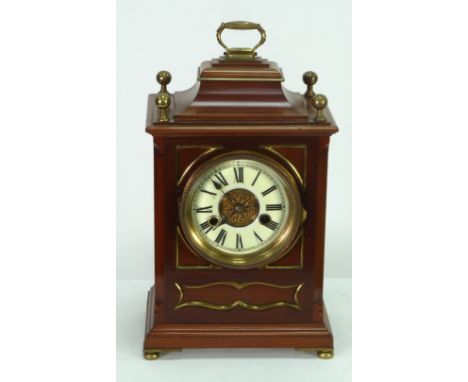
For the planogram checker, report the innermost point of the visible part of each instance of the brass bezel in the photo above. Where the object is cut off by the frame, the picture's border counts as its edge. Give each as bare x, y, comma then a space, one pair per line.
273, 251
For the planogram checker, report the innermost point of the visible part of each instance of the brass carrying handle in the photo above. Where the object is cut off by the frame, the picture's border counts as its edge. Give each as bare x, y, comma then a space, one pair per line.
240, 25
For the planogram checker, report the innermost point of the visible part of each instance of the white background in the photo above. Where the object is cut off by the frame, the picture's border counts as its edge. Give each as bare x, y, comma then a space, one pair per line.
155, 35
57, 196
178, 36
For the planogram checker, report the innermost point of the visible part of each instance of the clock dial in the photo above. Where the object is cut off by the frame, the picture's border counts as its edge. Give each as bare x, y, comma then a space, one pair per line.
240, 206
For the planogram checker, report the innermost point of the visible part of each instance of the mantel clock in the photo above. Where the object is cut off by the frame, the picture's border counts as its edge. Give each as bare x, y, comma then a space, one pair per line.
240, 167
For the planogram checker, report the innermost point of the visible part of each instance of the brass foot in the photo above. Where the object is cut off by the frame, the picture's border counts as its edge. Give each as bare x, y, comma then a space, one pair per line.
151, 355
325, 353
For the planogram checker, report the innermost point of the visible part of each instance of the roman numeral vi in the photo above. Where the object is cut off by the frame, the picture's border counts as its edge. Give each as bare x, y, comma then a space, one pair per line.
239, 244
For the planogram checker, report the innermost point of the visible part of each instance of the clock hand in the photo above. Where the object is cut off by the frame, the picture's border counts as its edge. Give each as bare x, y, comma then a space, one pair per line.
223, 220
219, 187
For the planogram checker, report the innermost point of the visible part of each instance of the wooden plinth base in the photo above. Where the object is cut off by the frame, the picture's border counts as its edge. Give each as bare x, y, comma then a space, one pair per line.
161, 337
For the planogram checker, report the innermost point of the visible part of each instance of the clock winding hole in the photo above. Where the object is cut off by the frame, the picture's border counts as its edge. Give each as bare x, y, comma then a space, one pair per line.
213, 221
264, 219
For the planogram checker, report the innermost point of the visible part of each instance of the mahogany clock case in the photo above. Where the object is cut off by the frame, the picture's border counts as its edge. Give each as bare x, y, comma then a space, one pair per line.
176, 265
238, 105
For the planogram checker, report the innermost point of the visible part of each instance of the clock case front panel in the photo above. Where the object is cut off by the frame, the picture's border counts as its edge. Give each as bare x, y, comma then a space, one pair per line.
177, 268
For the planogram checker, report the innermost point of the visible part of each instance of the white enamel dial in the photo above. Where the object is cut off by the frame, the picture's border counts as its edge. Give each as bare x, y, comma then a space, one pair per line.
239, 206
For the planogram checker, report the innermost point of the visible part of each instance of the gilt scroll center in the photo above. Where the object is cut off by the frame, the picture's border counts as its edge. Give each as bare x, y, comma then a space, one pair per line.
239, 207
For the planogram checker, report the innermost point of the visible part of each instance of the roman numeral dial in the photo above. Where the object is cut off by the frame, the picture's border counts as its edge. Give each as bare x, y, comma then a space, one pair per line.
238, 207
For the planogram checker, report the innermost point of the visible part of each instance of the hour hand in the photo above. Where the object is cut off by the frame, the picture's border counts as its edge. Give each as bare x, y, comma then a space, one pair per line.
217, 185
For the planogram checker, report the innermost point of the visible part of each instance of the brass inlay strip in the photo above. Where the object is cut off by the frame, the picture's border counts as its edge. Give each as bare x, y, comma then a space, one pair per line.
254, 79
188, 267
208, 150
242, 79
238, 303
300, 177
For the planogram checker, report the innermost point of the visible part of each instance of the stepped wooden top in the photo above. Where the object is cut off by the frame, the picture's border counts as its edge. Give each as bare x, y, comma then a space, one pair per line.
238, 95
237, 92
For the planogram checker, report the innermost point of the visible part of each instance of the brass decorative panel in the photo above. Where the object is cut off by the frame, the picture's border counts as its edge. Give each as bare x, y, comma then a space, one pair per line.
301, 176
207, 150
256, 306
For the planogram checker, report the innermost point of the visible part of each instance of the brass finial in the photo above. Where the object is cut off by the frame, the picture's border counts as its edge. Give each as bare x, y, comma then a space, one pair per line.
163, 99
310, 79
319, 102
163, 78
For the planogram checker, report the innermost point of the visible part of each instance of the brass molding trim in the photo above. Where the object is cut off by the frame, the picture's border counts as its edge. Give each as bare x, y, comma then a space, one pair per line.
208, 149
301, 177
234, 79
237, 303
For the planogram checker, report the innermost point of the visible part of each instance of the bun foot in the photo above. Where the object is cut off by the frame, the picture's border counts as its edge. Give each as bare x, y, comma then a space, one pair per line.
150, 355
325, 353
